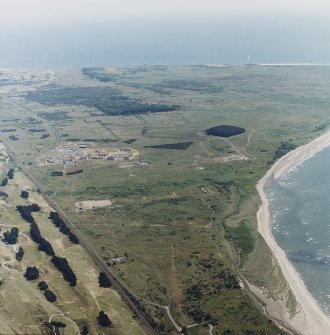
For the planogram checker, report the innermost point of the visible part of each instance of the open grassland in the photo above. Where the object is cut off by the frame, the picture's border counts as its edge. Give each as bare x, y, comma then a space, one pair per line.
185, 220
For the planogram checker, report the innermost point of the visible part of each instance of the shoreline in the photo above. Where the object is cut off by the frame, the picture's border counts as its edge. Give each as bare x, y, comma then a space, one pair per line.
309, 318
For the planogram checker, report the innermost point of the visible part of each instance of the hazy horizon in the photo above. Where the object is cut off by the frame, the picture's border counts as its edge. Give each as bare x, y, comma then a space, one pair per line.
44, 34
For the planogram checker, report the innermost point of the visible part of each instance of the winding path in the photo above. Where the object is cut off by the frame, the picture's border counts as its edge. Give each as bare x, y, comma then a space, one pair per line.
65, 317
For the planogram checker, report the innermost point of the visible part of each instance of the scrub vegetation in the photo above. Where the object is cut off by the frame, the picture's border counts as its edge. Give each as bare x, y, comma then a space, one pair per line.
181, 232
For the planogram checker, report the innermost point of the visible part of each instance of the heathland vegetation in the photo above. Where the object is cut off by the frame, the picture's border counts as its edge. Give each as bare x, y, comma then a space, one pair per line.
180, 235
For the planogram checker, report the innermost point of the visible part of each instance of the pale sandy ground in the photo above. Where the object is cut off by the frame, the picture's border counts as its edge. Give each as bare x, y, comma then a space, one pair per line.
310, 320
90, 204
230, 158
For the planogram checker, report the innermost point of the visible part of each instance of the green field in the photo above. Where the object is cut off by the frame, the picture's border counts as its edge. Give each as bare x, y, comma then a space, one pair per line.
183, 212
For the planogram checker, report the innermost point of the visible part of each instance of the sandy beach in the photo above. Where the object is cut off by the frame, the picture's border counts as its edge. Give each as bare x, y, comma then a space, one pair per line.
310, 319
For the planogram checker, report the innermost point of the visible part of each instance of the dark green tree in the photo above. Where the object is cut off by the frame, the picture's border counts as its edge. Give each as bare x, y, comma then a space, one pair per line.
12, 236
24, 194
19, 254
31, 273
103, 320
104, 281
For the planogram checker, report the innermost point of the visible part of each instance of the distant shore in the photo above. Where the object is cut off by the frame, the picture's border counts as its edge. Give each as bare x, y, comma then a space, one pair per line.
310, 319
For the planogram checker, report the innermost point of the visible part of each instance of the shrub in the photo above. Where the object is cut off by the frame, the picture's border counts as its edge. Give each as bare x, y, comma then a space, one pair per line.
19, 254
104, 281
42, 286
31, 273
24, 194
50, 295
103, 320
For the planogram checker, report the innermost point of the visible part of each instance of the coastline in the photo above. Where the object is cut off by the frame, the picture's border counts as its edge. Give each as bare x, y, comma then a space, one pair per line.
310, 319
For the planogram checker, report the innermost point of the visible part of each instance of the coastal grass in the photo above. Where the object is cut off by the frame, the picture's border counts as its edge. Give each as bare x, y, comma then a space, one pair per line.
188, 215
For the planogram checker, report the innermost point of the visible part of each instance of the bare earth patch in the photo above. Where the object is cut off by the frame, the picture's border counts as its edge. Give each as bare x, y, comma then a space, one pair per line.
230, 158
90, 204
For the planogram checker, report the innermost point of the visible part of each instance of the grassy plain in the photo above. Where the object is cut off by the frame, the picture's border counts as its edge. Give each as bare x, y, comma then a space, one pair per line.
186, 219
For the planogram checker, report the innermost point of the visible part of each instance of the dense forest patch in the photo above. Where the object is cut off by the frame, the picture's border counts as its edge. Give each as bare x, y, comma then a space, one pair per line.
178, 146
108, 100
225, 131
98, 74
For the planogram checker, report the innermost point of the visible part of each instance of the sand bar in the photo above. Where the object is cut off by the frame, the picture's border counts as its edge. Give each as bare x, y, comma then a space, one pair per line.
310, 320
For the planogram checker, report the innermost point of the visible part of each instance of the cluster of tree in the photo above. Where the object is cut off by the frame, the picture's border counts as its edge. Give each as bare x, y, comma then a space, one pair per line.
35, 208
73, 171
19, 254
50, 295
31, 273
36, 130
153, 320
195, 292
230, 280
42, 286
283, 149
8, 130
58, 324
225, 131
3, 194
130, 140
56, 173
13, 138
84, 330
103, 320
104, 281
98, 74
98, 140
200, 316
54, 327
25, 194
109, 100
59, 223
63, 266
4, 182
10, 173
177, 146
43, 136
11, 237
43, 245
55, 116
26, 214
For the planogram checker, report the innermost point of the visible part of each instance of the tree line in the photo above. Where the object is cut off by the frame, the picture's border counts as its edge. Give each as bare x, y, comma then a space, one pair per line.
59, 223
43, 245
26, 214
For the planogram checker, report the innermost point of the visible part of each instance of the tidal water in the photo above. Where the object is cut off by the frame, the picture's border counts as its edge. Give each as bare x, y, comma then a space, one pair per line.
300, 222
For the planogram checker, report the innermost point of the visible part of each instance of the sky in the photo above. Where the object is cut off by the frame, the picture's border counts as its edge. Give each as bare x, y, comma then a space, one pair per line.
94, 32
36, 11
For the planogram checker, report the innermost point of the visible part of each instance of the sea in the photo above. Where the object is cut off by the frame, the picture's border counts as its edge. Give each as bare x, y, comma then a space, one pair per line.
220, 39
299, 204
